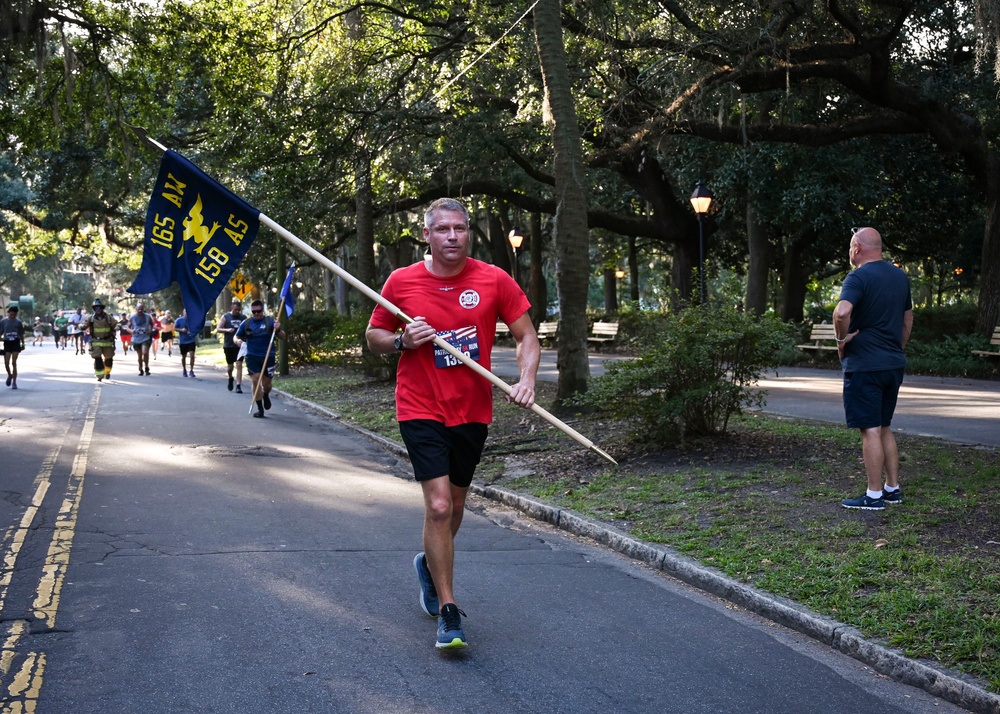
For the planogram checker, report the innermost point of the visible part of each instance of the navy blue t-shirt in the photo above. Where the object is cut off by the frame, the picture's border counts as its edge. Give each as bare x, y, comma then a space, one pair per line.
880, 294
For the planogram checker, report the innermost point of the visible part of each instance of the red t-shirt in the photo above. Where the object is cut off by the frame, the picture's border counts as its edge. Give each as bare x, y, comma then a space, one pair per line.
430, 383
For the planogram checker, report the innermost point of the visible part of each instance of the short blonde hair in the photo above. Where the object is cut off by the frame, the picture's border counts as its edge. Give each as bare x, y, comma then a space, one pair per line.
444, 204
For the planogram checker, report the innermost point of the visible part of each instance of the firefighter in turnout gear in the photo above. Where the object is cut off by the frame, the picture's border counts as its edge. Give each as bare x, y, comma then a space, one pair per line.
101, 328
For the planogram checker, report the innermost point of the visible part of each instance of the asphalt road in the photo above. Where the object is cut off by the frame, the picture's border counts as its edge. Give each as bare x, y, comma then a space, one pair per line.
961, 410
164, 552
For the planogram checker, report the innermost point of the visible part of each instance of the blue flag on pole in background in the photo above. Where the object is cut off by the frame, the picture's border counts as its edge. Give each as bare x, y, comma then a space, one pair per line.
197, 232
286, 292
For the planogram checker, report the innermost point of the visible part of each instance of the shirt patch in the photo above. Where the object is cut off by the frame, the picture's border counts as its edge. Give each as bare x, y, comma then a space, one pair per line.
465, 340
469, 299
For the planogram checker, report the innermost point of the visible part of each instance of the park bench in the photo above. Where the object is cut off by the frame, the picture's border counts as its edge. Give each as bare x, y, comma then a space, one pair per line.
547, 330
995, 340
823, 337
502, 330
604, 332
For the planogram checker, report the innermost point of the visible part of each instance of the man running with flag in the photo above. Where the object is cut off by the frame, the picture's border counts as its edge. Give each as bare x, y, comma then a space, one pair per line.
258, 333
444, 409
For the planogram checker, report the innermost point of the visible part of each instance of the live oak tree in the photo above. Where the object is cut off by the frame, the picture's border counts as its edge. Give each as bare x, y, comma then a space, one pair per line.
882, 68
287, 106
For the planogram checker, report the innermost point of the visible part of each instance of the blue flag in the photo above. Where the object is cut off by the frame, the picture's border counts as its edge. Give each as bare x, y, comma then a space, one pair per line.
286, 292
197, 232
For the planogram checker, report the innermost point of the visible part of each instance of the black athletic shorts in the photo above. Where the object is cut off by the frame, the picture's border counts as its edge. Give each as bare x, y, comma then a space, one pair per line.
232, 355
437, 450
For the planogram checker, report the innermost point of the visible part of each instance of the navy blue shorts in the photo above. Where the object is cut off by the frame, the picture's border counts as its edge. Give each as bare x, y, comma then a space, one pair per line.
255, 364
437, 450
870, 397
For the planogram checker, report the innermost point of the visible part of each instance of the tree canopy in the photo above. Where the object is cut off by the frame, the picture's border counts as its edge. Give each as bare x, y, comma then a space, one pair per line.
342, 120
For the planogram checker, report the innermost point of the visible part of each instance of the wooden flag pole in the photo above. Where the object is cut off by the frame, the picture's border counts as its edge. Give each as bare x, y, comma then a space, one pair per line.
403, 317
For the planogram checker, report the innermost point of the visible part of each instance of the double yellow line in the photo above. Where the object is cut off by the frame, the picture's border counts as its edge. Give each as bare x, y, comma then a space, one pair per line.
21, 673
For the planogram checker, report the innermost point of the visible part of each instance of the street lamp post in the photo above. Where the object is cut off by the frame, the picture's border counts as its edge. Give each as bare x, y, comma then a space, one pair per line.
701, 199
516, 238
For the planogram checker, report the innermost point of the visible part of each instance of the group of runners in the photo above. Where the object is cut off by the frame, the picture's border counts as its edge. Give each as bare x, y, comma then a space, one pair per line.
96, 332
67, 329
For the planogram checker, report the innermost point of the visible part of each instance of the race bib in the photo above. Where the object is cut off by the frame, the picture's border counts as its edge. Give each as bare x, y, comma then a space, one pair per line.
11, 336
465, 339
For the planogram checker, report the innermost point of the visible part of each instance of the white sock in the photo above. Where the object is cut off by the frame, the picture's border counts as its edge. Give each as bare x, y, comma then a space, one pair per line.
890, 489
874, 494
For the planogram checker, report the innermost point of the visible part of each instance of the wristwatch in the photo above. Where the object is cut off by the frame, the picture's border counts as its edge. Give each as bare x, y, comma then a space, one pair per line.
398, 342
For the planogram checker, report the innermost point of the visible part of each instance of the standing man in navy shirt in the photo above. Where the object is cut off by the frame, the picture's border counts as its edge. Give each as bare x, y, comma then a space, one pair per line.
873, 321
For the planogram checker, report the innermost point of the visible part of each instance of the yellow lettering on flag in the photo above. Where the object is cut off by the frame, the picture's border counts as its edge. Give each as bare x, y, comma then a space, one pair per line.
239, 286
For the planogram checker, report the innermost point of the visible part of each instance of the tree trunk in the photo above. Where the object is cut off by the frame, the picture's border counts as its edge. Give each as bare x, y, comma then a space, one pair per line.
610, 291
571, 229
683, 278
365, 226
794, 282
676, 225
537, 287
989, 281
500, 249
760, 260
633, 272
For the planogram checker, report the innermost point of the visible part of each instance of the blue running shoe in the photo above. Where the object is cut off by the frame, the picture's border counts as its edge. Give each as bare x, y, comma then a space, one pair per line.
892, 498
428, 594
450, 634
865, 503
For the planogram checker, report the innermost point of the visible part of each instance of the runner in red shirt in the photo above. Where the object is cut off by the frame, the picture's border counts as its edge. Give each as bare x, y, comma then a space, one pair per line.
443, 407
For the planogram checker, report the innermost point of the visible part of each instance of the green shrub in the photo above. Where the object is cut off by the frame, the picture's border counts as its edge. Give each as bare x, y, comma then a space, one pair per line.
636, 327
324, 335
692, 374
951, 357
932, 324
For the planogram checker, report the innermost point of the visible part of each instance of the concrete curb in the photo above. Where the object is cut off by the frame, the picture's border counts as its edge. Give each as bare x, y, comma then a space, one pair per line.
952, 687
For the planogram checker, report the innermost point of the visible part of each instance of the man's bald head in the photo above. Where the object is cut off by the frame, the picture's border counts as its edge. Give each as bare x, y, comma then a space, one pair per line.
866, 246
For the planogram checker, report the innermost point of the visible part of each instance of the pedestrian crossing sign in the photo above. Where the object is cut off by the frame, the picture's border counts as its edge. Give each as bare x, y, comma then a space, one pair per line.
239, 286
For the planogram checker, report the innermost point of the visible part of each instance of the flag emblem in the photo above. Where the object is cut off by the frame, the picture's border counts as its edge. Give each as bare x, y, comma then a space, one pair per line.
197, 232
